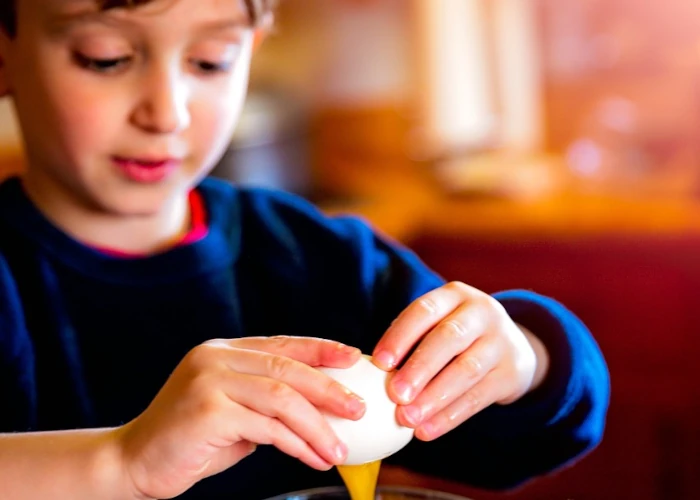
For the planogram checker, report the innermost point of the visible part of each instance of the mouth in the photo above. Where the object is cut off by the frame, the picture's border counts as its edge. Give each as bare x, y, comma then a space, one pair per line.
146, 169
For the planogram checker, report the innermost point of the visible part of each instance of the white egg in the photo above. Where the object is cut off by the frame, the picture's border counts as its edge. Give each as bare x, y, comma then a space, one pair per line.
377, 434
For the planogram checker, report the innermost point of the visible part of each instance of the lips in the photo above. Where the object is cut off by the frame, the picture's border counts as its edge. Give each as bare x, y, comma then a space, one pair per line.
146, 169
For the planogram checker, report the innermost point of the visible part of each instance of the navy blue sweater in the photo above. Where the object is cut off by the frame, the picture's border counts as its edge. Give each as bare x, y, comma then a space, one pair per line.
87, 339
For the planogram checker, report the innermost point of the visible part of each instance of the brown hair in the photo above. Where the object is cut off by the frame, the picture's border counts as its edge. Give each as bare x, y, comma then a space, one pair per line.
257, 9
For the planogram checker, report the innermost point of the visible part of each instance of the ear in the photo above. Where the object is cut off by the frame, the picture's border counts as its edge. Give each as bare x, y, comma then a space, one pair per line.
5, 80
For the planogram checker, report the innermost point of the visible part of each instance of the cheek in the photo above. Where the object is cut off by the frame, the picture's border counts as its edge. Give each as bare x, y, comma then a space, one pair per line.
214, 125
68, 116
87, 119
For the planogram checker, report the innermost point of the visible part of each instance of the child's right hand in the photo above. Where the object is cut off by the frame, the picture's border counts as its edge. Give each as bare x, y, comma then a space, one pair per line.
225, 397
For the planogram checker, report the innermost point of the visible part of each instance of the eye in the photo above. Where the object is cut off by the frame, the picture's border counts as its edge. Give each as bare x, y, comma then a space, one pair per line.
209, 67
110, 65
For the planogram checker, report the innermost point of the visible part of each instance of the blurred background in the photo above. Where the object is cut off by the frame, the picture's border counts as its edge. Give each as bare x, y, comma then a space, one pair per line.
543, 144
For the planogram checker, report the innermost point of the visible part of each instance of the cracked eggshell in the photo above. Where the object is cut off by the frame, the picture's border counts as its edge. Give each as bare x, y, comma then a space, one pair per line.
377, 434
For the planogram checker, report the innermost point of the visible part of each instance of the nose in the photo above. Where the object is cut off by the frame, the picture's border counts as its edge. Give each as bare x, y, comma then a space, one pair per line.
164, 104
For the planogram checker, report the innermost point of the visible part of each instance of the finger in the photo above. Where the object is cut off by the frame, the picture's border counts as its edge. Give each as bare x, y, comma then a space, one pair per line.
280, 401
481, 395
308, 350
441, 345
317, 387
417, 319
465, 371
257, 428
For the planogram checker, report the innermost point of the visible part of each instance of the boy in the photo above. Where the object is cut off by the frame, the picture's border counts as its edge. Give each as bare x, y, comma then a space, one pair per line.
118, 265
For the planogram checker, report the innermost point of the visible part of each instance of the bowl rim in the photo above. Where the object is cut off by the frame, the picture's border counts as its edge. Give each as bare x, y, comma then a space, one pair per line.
385, 487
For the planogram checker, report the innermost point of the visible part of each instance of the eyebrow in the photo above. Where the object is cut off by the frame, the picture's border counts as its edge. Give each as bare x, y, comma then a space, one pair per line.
225, 25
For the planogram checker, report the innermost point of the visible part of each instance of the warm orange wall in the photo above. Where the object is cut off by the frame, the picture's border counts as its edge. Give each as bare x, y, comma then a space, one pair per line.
11, 162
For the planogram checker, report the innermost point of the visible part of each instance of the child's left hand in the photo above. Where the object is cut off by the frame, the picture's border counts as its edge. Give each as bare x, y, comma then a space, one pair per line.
468, 354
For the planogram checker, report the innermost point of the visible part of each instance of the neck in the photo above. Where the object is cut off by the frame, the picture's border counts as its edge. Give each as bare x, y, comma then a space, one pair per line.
101, 228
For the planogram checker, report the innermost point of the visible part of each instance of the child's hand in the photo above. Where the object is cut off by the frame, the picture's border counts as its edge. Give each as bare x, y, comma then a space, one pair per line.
468, 355
228, 395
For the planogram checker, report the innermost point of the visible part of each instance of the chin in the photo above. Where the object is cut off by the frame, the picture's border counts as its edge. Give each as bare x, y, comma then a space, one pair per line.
127, 199
134, 206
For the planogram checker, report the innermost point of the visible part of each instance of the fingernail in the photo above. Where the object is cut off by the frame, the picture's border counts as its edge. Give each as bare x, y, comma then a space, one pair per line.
346, 349
404, 391
413, 414
339, 452
355, 404
252, 448
385, 359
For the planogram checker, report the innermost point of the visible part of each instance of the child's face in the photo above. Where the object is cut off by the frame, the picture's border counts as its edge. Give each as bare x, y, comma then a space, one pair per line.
122, 110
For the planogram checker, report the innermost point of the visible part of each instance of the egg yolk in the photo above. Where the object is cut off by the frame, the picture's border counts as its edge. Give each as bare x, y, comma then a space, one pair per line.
360, 480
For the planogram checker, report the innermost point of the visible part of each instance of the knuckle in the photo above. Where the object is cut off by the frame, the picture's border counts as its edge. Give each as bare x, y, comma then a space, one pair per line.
332, 389
470, 365
492, 304
473, 398
280, 392
417, 363
428, 305
278, 367
202, 355
458, 286
454, 330
281, 341
284, 400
